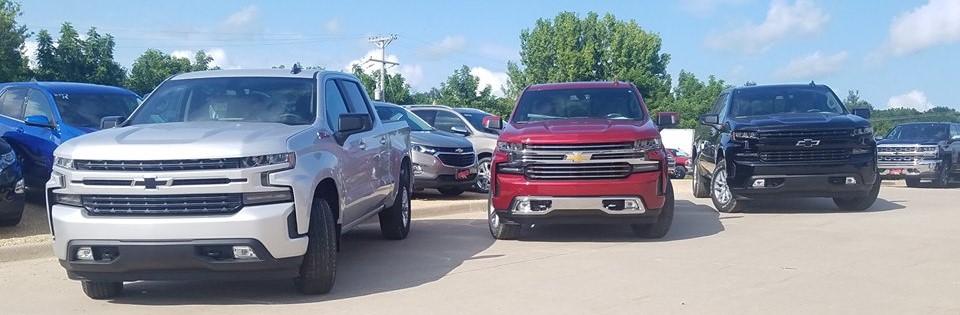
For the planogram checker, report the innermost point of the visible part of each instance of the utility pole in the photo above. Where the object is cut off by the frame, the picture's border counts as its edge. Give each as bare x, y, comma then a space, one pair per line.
382, 42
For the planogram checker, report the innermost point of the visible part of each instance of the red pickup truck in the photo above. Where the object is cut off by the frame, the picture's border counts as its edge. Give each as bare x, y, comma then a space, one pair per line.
576, 153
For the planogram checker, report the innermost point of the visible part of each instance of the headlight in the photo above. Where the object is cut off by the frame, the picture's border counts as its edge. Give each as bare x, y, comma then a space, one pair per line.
647, 144
63, 162
928, 149
863, 131
509, 147
260, 198
7, 159
745, 135
70, 200
423, 149
288, 159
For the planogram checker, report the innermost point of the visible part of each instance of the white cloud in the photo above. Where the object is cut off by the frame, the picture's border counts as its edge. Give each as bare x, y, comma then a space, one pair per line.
243, 17
447, 45
30, 50
413, 73
496, 80
707, 6
218, 54
915, 99
783, 21
812, 66
926, 26
182, 54
333, 26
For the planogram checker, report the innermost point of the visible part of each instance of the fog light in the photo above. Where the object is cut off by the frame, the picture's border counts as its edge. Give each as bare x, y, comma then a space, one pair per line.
19, 188
244, 252
417, 169
631, 205
851, 181
85, 253
760, 183
523, 206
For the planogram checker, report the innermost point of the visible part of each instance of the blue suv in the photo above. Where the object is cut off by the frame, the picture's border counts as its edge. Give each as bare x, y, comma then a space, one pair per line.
36, 117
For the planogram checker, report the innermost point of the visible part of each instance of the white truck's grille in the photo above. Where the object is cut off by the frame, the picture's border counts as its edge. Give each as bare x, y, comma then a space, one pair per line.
159, 205
158, 165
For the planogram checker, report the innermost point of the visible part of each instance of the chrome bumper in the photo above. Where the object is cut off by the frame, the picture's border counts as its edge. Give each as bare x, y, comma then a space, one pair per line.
923, 168
543, 205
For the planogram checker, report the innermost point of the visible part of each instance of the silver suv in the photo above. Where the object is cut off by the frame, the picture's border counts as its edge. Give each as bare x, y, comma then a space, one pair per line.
225, 175
452, 120
441, 160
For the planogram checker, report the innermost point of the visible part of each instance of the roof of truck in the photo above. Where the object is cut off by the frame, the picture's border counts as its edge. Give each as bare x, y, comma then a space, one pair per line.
579, 85
277, 73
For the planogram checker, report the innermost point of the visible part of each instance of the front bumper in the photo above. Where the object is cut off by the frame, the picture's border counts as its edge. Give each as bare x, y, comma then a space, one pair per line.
430, 172
804, 179
579, 210
176, 260
925, 170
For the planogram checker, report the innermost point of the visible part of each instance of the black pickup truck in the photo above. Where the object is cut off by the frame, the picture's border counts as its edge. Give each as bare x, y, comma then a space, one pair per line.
785, 141
921, 153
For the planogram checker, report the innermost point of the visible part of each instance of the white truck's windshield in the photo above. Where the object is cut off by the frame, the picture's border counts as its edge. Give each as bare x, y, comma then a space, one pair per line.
248, 99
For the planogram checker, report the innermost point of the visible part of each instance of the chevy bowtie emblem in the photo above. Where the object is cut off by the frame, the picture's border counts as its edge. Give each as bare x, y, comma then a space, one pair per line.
808, 143
459, 150
577, 157
150, 183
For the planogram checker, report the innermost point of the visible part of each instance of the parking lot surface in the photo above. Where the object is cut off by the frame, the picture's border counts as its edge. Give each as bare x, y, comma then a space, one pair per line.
787, 256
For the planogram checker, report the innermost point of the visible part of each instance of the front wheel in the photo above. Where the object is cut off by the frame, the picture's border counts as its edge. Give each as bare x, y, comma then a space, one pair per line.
701, 188
498, 229
679, 172
664, 220
860, 203
720, 193
319, 267
99, 290
483, 176
943, 178
12, 220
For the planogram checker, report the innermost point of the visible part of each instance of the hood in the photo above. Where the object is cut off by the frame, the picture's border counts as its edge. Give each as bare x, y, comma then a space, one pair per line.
170, 141
438, 138
792, 121
909, 141
579, 130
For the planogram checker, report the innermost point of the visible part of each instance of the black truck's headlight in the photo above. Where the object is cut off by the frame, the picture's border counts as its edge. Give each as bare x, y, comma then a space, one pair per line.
745, 135
863, 131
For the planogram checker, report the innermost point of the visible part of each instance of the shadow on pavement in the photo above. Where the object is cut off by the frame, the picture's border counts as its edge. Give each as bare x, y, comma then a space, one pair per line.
367, 265
34, 220
431, 194
690, 221
811, 205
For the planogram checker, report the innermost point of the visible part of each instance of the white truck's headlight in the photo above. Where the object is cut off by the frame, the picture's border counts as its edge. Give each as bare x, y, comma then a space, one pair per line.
288, 159
63, 162
70, 200
259, 198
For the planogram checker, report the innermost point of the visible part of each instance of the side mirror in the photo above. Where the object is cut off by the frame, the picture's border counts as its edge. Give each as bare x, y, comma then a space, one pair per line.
667, 119
862, 112
110, 122
460, 130
878, 138
710, 119
954, 139
351, 124
38, 121
494, 124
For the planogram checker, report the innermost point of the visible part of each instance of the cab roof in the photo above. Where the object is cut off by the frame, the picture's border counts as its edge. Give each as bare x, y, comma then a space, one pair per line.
72, 88
274, 73
579, 85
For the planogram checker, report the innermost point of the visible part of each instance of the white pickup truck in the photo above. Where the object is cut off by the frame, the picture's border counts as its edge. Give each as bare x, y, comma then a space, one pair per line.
225, 175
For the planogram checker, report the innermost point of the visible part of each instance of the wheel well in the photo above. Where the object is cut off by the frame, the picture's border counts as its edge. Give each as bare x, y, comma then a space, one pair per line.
484, 155
408, 166
327, 189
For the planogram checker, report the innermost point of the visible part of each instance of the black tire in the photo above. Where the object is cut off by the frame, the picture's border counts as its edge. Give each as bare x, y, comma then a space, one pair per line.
943, 178
319, 268
679, 172
395, 221
701, 188
664, 220
483, 180
860, 203
913, 182
501, 230
98, 290
725, 202
12, 220
450, 191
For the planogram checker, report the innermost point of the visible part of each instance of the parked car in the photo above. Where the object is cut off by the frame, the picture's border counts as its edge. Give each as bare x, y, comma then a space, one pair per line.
682, 162
579, 153
921, 153
449, 119
226, 175
477, 118
777, 141
441, 160
11, 186
36, 117
671, 165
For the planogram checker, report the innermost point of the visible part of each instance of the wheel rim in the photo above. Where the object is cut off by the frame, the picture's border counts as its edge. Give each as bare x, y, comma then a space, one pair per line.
405, 207
483, 176
721, 190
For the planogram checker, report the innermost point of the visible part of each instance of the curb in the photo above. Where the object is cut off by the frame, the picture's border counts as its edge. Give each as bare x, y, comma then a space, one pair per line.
45, 249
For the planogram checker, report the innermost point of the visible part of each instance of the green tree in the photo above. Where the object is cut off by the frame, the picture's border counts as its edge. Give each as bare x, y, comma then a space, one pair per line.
568, 48
100, 66
151, 68
46, 57
397, 90
73, 59
201, 62
693, 97
462, 89
853, 100
14, 66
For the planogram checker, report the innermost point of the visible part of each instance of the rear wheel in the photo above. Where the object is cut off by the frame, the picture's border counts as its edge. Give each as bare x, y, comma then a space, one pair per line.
860, 203
913, 182
501, 230
99, 290
319, 268
664, 220
701, 188
720, 193
679, 172
943, 178
450, 191
395, 221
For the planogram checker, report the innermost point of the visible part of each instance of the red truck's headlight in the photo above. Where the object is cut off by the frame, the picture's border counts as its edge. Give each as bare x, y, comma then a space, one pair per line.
509, 147
648, 144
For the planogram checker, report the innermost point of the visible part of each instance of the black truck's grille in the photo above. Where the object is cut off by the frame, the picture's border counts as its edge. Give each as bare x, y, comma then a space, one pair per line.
805, 155
157, 166
578, 171
458, 160
160, 205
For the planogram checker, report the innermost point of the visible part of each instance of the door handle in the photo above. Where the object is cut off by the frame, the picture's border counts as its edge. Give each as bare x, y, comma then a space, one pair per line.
20, 129
383, 140
363, 145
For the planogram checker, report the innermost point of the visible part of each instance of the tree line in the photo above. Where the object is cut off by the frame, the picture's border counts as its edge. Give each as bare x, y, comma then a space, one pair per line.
564, 48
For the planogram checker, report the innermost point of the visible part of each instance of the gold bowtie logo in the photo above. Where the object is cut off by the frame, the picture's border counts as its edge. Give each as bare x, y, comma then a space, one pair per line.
577, 157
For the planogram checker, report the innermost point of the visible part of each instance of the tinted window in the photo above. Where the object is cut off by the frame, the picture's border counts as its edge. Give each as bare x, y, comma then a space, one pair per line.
335, 106
718, 105
446, 121
37, 105
12, 103
86, 110
248, 99
920, 132
954, 130
782, 100
390, 113
476, 119
357, 102
614, 103
428, 115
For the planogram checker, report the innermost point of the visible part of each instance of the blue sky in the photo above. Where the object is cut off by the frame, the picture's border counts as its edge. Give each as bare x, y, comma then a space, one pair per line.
896, 52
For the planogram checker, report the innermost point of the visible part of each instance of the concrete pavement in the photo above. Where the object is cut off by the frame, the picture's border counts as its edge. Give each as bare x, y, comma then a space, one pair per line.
790, 256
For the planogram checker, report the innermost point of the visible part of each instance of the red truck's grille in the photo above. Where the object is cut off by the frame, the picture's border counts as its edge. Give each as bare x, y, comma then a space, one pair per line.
577, 171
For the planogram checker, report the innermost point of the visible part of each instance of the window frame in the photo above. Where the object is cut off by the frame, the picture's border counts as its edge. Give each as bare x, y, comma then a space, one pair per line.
22, 104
